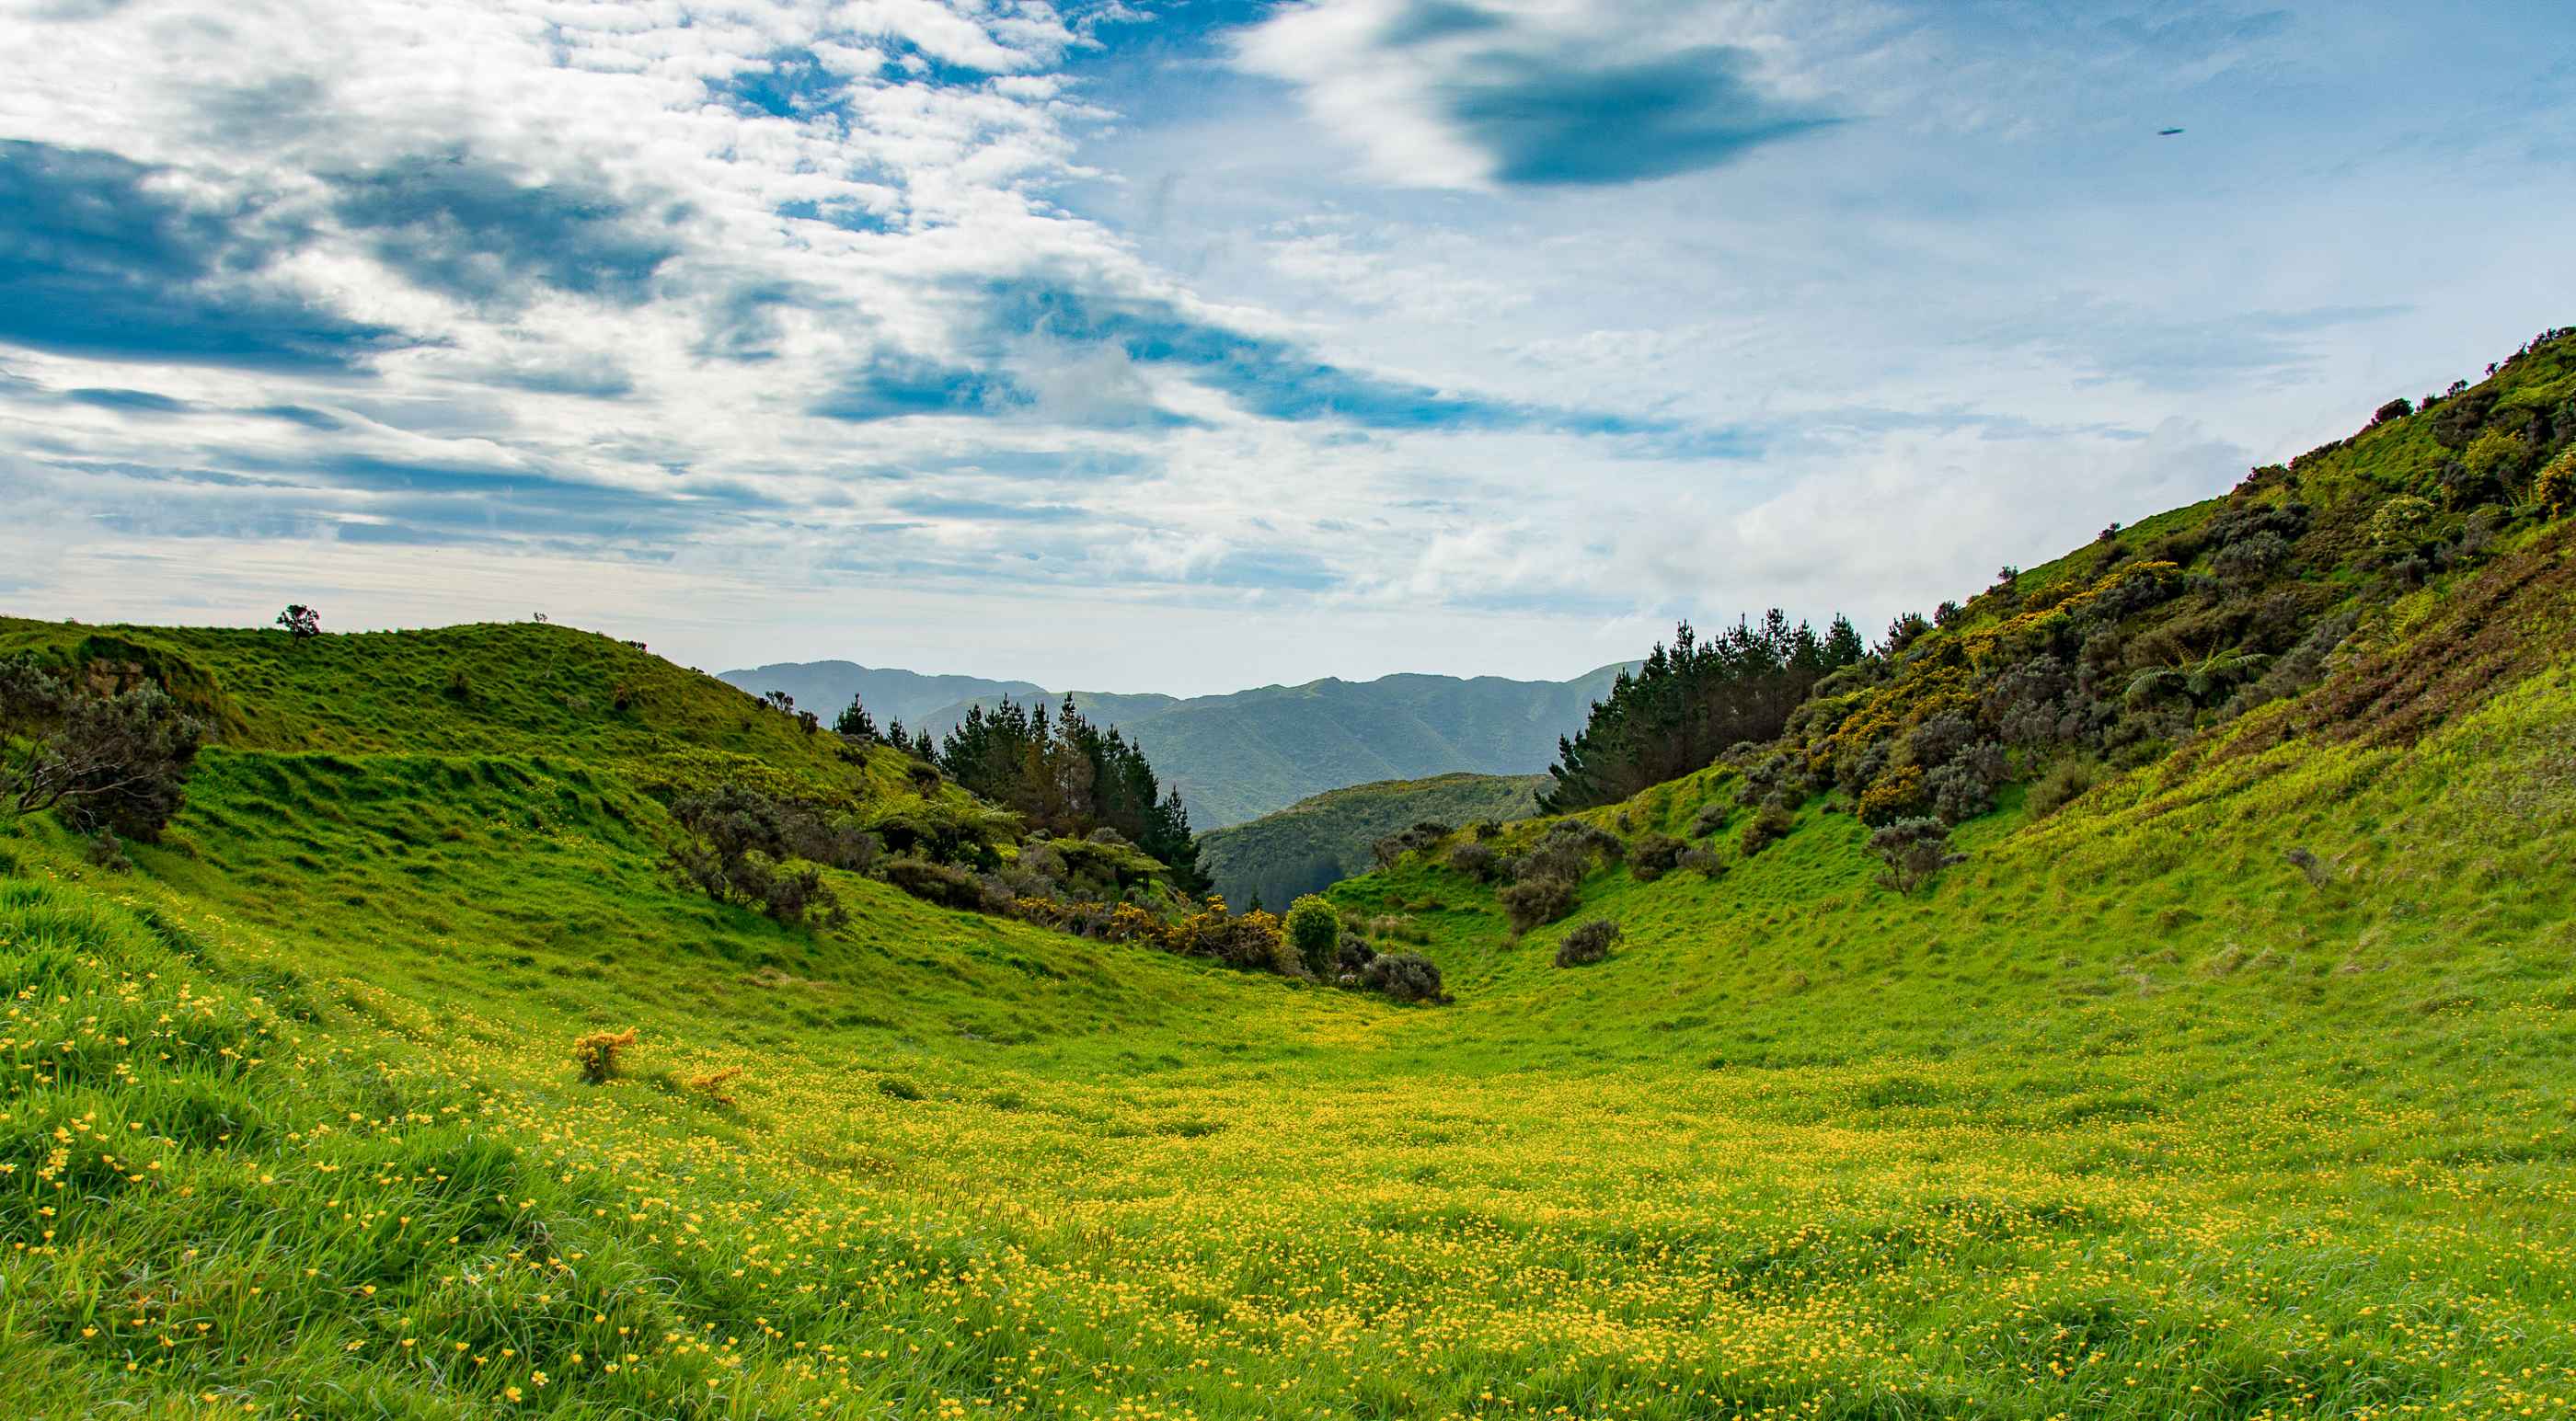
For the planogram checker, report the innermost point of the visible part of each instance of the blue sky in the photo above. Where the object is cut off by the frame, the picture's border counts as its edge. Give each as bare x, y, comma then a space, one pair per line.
1193, 344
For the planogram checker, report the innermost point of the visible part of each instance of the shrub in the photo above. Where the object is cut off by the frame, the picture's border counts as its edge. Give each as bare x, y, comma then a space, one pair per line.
1965, 788
1476, 861
1937, 740
1765, 781
1567, 851
943, 884
301, 622
1390, 851
1488, 829
712, 1085
1915, 851
897, 1088
1533, 901
105, 853
1767, 828
1355, 952
1710, 818
2250, 560
1898, 794
2400, 522
2554, 491
1704, 863
115, 762
1587, 944
1405, 976
2397, 408
740, 842
1250, 941
2495, 456
1654, 855
458, 688
1315, 932
597, 1053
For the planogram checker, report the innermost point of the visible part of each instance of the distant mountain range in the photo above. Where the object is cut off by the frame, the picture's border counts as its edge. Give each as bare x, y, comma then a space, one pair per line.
1239, 756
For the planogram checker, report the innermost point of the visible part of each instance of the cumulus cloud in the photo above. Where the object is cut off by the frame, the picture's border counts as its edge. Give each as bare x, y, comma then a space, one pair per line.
934, 304
103, 256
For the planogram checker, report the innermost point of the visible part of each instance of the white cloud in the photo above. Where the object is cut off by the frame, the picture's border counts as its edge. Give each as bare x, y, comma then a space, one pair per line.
632, 255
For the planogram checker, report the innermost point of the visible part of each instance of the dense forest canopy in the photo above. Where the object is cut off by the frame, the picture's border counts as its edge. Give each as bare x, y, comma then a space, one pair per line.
1067, 776
1691, 701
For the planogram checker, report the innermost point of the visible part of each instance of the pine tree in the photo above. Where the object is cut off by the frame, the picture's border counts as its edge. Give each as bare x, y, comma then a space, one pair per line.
1688, 702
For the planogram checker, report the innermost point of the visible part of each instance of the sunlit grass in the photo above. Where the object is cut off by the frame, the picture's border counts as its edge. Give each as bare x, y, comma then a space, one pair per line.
2128, 1117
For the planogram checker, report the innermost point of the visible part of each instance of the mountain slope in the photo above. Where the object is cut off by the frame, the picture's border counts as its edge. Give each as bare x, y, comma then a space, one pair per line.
1325, 838
824, 687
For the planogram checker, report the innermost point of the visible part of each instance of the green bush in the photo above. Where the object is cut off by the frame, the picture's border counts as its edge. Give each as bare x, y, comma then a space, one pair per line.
1315, 932
2064, 782
940, 883
1768, 827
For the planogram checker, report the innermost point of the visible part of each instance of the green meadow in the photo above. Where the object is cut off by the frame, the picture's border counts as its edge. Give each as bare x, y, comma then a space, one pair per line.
2127, 1116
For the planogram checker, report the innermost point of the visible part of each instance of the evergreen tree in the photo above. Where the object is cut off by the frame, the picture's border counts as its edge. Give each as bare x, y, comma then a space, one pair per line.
855, 722
1061, 773
1688, 702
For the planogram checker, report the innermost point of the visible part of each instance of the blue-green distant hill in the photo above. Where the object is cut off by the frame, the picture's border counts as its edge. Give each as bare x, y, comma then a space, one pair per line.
1317, 842
1237, 757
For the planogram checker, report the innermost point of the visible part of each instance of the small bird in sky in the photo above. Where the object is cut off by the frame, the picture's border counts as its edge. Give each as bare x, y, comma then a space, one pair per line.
2167, 132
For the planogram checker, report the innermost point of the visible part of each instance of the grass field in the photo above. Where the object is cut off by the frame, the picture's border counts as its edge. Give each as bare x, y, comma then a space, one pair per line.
2129, 1116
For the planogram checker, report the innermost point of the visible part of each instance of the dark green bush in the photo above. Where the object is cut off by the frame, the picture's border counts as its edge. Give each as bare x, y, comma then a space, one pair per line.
1915, 851
1587, 944
1768, 827
1704, 863
104, 762
1533, 901
939, 883
1711, 817
1405, 976
1476, 861
1654, 855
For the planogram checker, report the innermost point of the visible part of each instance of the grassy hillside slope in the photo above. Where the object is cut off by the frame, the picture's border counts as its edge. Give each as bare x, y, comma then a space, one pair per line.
1322, 839
2129, 1115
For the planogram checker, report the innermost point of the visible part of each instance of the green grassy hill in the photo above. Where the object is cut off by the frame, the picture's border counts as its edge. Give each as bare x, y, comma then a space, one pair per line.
2132, 1114
1324, 838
